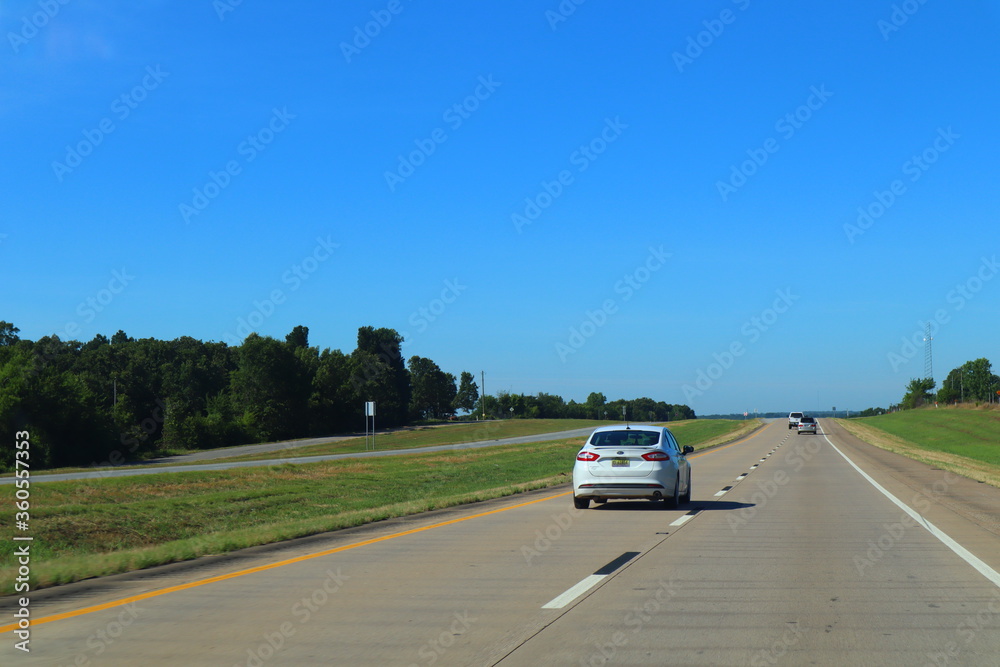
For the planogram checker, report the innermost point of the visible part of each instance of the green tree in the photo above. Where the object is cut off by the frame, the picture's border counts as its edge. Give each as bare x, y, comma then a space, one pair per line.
468, 393
918, 392
978, 380
333, 405
433, 391
271, 389
595, 404
952, 387
298, 337
550, 406
8, 333
972, 381
379, 374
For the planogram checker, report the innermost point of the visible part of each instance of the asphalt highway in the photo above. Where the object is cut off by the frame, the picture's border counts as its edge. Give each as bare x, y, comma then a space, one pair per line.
794, 550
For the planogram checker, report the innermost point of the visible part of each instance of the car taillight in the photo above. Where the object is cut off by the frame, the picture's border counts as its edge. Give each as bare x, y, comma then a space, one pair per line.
656, 456
587, 456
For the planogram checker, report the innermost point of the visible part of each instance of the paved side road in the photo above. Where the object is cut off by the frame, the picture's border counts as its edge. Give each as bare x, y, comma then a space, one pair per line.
113, 472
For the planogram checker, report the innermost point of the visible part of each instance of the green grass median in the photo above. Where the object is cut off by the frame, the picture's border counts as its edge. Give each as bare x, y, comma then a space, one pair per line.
964, 440
90, 528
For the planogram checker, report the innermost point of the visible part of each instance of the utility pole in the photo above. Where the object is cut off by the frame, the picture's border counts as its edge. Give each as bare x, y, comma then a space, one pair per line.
482, 374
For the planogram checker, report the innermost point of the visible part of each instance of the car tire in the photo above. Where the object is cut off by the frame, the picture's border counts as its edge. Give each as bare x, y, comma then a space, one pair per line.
581, 503
686, 498
675, 500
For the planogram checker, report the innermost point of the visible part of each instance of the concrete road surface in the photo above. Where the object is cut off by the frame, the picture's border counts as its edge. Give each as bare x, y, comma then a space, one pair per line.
794, 550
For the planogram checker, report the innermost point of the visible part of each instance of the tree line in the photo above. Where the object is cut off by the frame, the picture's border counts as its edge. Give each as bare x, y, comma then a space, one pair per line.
108, 401
972, 382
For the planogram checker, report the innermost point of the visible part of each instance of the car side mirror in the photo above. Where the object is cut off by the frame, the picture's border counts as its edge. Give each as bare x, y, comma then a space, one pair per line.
688, 449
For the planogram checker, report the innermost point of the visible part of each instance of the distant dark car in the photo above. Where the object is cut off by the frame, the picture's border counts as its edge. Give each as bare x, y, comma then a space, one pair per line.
807, 425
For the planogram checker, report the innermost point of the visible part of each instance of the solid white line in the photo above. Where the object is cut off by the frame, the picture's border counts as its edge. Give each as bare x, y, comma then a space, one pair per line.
682, 520
961, 551
575, 592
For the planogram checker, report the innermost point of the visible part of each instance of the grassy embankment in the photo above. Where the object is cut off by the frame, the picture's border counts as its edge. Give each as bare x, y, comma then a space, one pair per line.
90, 528
964, 440
408, 438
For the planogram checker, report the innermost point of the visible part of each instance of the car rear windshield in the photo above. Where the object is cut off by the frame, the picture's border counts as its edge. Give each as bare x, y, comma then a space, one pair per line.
625, 439
807, 420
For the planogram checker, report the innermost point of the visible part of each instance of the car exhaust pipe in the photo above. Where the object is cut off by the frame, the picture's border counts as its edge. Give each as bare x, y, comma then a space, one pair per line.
657, 495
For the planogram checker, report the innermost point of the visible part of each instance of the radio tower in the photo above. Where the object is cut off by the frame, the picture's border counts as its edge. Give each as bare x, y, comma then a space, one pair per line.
928, 359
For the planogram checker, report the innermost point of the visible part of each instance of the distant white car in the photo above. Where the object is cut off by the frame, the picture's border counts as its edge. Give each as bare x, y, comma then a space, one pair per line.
793, 419
632, 462
807, 425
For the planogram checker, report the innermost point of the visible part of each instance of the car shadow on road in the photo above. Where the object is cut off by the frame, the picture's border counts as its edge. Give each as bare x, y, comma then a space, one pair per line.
657, 506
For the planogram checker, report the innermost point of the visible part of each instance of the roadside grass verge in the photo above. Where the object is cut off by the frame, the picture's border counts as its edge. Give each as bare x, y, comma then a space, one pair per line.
410, 438
705, 433
964, 441
90, 528
428, 436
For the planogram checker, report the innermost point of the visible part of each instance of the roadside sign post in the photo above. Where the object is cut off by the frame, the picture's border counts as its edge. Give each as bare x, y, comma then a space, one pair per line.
370, 412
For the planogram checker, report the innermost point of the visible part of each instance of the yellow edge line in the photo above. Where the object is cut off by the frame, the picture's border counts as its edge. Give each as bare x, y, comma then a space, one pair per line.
262, 568
298, 559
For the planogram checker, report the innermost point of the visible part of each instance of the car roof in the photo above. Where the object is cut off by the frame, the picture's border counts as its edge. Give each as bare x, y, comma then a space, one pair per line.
630, 427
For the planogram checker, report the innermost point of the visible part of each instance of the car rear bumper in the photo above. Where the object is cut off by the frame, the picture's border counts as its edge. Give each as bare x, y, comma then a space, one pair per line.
599, 489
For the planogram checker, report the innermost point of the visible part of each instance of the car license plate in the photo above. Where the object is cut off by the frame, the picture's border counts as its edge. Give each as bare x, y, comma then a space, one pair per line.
619, 463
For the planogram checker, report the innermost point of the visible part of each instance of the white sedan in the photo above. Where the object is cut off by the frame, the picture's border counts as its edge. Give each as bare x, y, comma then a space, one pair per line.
632, 461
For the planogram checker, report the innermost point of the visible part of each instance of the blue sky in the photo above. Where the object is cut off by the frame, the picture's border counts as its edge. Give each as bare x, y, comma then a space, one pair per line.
655, 198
